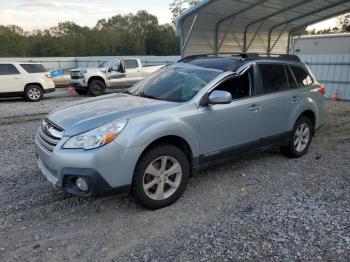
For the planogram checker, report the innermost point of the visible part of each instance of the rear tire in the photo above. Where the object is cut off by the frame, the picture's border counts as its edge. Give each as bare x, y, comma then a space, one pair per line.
300, 139
161, 176
97, 88
33, 93
80, 91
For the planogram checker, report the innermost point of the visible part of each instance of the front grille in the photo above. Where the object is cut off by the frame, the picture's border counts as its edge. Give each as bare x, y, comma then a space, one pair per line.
49, 135
76, 77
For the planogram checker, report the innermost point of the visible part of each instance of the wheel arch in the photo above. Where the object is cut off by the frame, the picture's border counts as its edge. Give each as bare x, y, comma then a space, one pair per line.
311, 115
174, 140
34, 84
96, 78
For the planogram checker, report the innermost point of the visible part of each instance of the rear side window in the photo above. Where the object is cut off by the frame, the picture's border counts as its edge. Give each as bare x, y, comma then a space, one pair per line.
34, 68
303, 78
131, 64
274, 78
8, 69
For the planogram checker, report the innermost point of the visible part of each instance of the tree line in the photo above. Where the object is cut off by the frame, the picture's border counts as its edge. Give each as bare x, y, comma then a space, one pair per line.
130, 34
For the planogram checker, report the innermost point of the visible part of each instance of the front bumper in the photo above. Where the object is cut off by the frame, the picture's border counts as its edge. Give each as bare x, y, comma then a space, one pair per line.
97, 186
106, 169
79, 84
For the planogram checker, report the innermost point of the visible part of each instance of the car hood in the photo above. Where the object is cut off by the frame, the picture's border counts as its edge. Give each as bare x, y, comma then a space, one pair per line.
88, 70
92, 113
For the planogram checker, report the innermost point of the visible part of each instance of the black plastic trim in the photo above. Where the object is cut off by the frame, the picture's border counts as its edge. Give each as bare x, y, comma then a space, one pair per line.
98, 186
215, 158
11, 94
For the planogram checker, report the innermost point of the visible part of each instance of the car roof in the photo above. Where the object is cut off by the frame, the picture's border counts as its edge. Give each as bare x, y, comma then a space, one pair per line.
235, 61
21, 63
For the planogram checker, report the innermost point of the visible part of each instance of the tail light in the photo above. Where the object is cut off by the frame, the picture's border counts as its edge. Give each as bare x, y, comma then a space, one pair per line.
322, 90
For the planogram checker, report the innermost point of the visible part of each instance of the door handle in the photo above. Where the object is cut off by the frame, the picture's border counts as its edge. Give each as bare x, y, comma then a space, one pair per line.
18, 77
255, 108
295, 99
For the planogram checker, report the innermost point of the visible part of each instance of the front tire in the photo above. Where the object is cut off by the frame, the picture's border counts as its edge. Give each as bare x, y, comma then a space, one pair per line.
161, 176
33, 93
300, 139
97, 88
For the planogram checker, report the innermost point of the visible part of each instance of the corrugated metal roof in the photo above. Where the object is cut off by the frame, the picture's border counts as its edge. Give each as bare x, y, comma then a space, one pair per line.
262, 26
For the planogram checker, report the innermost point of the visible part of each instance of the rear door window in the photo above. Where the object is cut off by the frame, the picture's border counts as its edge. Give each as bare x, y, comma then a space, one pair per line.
302, 76
131, 63
34, 68
8, 69
274, 78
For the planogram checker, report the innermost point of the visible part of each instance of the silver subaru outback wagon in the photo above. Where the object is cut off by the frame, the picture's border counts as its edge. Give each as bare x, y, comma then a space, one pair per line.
187, 116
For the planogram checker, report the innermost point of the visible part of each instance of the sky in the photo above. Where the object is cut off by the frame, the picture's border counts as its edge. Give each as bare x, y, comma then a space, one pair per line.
42, 14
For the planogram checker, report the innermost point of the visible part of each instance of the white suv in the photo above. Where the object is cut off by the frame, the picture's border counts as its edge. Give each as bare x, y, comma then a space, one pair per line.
28, 80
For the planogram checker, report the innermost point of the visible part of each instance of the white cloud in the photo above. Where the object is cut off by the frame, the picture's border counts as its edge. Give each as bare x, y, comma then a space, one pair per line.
40, 14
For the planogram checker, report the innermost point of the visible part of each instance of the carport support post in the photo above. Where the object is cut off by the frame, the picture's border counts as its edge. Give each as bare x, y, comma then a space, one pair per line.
254, 36
233, 16
268, 17
311, 13
289, 40
189, 34
269, 47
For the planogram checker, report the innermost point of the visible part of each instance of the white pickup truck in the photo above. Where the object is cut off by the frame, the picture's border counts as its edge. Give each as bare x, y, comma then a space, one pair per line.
114, 73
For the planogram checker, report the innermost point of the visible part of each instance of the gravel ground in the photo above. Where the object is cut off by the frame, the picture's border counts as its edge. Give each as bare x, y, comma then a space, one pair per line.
263, 207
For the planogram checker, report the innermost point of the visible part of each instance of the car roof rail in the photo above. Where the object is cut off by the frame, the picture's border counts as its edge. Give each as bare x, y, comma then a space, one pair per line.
293, 58
250, 56
227, 54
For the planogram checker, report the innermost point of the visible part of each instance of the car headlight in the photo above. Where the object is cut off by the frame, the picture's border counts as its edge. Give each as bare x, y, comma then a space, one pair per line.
83, 71
97, 137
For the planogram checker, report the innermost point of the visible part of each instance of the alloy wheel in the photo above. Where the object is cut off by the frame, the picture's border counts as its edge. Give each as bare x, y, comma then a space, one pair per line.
162, 178
301, 137
34, 93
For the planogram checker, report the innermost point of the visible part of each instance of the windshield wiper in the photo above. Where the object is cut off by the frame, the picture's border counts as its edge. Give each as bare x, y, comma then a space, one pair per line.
147, 96
150, 97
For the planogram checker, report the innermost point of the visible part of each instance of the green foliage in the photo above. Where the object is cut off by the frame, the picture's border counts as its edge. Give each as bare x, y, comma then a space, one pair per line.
130, 34
344, 23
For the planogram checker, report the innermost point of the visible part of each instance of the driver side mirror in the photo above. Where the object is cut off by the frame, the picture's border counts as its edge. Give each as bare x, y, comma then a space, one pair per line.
219, 97
121, 68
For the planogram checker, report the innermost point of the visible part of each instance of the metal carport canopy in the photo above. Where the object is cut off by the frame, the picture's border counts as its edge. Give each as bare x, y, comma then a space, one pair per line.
256, 26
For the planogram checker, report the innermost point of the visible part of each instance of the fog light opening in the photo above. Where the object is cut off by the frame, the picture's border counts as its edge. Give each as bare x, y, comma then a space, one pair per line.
81, 184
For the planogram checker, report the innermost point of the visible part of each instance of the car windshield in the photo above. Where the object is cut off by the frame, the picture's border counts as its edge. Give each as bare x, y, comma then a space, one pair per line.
175, 83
